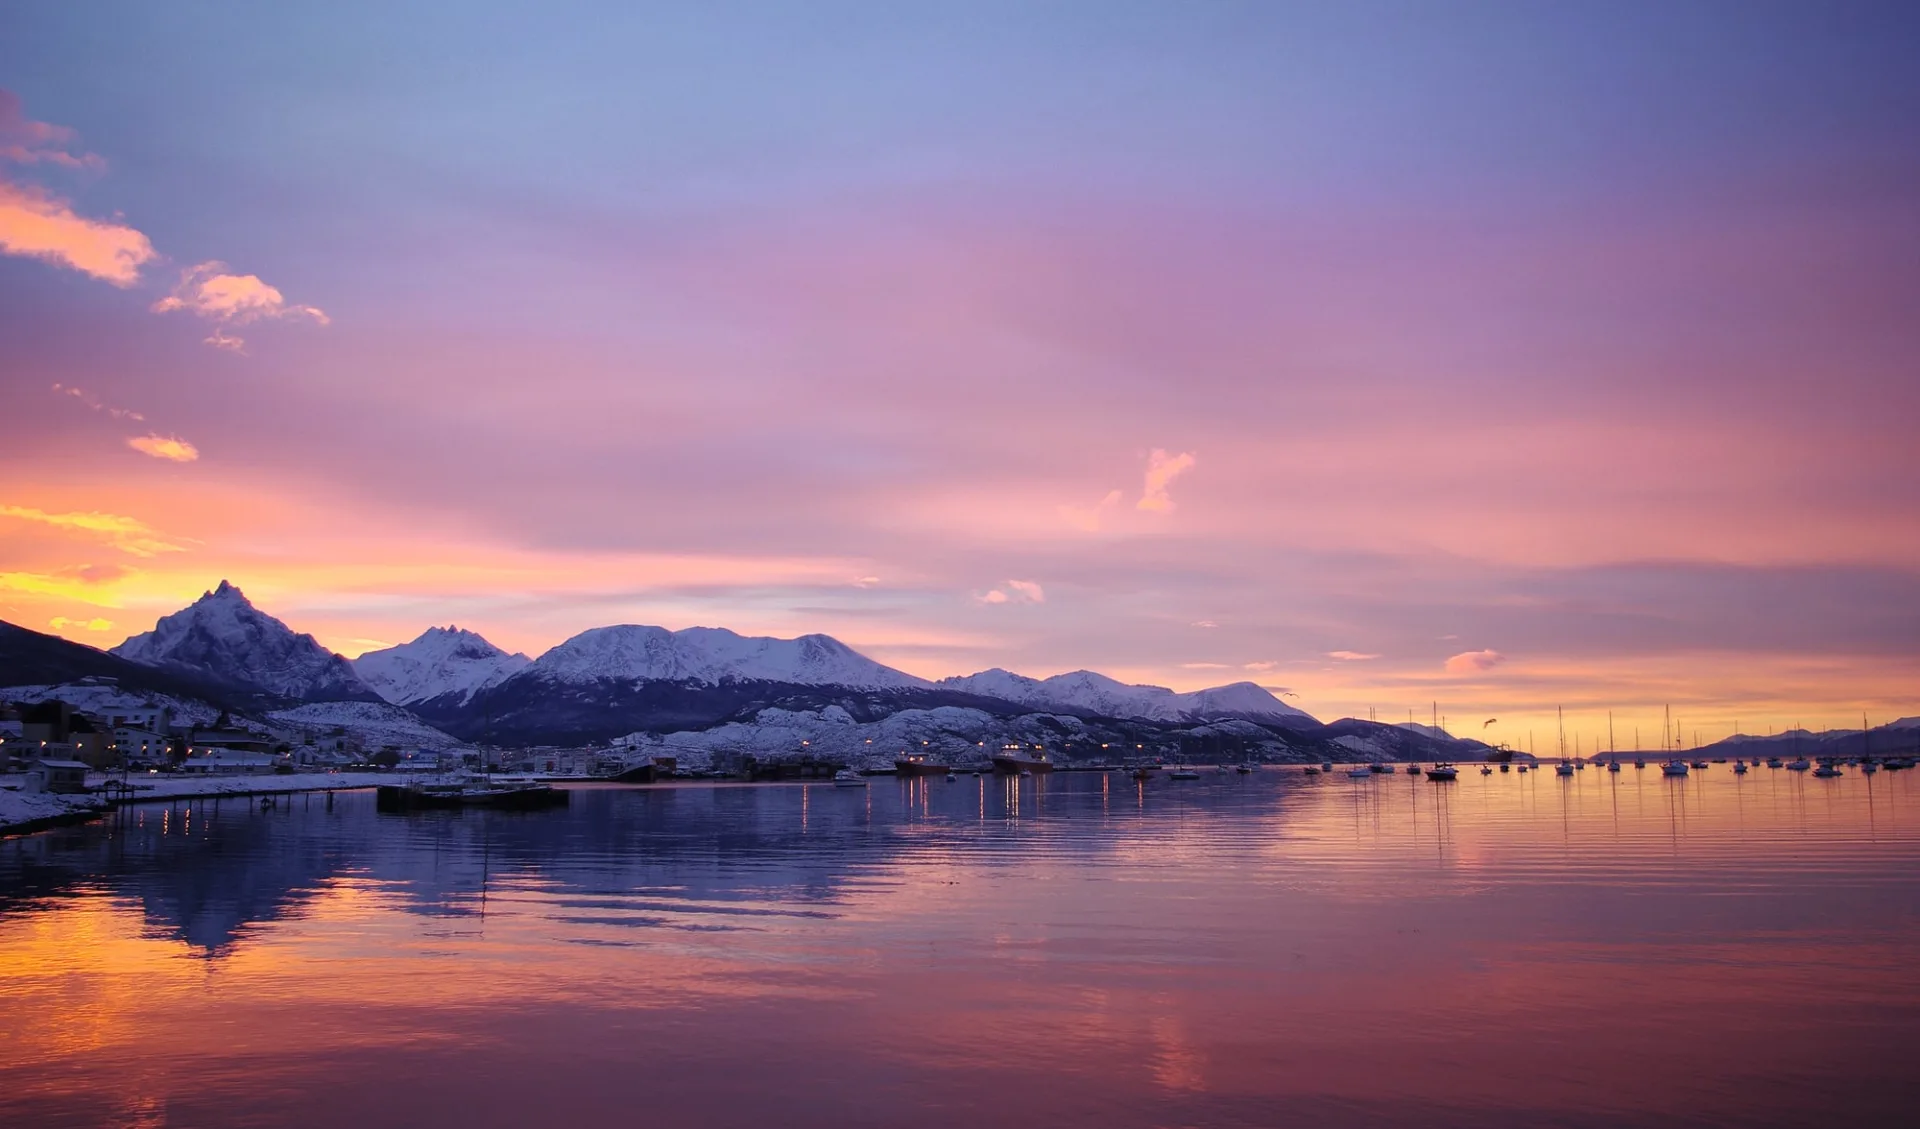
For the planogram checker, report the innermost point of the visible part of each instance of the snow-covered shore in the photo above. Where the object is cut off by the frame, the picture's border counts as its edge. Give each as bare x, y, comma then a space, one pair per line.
22, 811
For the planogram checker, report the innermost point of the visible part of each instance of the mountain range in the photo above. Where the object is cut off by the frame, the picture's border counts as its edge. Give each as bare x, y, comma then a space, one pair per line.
615, 681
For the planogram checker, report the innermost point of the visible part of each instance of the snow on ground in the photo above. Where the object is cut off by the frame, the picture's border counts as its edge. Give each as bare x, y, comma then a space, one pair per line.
949, 733
375, 725
26, 807
100, 699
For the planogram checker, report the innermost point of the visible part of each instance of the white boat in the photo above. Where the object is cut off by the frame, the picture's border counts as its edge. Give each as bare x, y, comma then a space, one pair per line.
1674, 768
848, 778
1183, 774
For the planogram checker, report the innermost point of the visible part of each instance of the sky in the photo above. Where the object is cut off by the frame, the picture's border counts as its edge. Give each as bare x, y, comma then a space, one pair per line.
1481, 357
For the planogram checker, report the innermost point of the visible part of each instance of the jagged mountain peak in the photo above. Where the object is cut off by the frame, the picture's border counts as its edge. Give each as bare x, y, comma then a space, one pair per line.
224, 637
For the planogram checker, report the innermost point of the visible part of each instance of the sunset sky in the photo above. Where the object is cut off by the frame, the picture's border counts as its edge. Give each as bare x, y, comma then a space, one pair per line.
1500, 355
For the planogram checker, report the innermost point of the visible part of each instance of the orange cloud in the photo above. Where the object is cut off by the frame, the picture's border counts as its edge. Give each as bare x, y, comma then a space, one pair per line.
61, 623
1474, 662
1162, 469
167, 447
225, 299
37, 225
129, 535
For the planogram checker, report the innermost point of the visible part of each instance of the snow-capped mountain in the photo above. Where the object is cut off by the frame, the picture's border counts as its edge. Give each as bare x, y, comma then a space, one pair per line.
1084, 691
442, 661
223, 636
713, 655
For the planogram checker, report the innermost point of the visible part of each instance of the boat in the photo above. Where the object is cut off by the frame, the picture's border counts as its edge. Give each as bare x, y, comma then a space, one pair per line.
1563, 769
1245, 769
1699, 764
1773, 762
848, 778
1360, 773
1799, 764
1523, 768
1828, 769
1739, 768
1413, 769
1613, 766
1183, 774
1868, 766
1015, 761
1505, 767
918, 764
1310, 770
1326, 766
441, 796
1143, 773
1443, 772
1379, 767
1485, 770
1674, 768
1637, 762
951, 777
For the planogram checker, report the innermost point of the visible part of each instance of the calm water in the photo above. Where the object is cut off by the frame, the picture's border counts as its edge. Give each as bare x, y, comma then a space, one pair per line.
1510, 950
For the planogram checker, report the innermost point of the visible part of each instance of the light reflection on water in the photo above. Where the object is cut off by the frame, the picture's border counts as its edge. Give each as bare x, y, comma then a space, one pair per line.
1511, 949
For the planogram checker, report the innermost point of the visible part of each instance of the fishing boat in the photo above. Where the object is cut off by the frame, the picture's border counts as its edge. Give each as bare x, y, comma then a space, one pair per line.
1014, 761
448, 795
918, 764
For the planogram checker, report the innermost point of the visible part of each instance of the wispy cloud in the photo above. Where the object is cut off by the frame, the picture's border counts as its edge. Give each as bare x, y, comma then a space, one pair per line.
1474, 662
1204, 623
865, 581
210, 291
62, 623
36, 224
24, 141
1350, 656
65, 585
1259, 666
1014, 592
169, 447
96, 404
1206, 666
1162, 469
129, 535
1089, 518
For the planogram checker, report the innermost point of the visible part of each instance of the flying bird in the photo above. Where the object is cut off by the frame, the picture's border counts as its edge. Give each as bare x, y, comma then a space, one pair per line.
1488, 722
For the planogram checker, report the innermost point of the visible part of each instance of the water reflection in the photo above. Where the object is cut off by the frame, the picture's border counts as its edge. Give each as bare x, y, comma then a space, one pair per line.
1511, 949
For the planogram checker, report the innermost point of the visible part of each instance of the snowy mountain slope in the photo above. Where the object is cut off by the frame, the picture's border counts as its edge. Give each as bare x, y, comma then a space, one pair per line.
224, 637
442, 661
1096, 694
712, 655
375, 725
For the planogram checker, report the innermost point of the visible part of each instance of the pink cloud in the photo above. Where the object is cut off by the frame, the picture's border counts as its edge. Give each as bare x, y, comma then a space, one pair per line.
35, 224
1089, 518
1474, 662
210, 291
1015, 592
96, 404
1162, 469
24, 141
1353, 656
